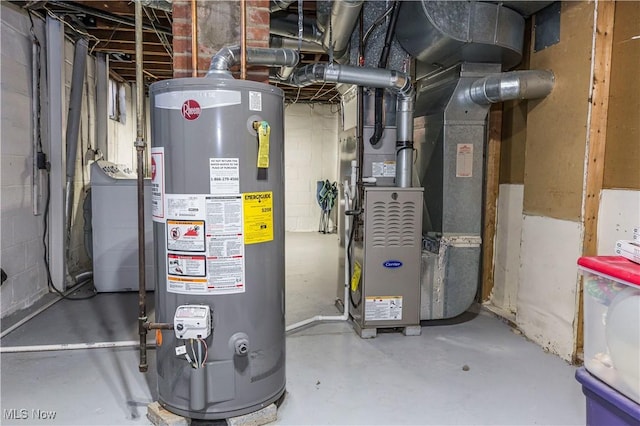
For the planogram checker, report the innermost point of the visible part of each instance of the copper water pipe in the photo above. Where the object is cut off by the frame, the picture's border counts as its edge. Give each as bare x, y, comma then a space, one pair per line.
194, 38
243, 39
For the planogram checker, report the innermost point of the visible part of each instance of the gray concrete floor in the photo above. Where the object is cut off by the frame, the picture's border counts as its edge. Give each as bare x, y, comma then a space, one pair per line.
333, 376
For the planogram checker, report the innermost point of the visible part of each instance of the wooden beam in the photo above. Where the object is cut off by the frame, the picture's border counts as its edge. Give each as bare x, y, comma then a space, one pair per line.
149, 58
117, 7
117, 77
596, 143
126, 70
128, 47
491, 185
162, 25
102, 25
116, 34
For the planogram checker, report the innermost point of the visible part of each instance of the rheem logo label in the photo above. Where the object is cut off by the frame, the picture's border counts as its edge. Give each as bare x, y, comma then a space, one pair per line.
191, 109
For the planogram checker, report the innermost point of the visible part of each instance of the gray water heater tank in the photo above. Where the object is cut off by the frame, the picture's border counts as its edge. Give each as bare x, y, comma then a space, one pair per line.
218, 210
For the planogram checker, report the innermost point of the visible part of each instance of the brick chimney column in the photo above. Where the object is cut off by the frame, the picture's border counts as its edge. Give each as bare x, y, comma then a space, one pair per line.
218, 26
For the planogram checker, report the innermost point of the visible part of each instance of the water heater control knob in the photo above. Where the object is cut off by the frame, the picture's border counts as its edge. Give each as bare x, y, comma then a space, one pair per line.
192, 322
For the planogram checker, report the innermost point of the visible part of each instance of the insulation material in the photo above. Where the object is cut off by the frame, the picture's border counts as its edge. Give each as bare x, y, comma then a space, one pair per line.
554, 164
398, 58
546, 305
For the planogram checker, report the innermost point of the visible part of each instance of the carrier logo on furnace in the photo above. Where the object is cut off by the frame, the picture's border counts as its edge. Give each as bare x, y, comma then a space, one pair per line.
191, 109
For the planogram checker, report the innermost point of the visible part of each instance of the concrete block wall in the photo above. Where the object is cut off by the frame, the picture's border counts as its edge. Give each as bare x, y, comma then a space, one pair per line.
21, 232
311, 154
21, 252
122, 134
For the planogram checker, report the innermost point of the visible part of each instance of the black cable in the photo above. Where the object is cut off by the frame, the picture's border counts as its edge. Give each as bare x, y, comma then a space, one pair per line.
45, 221
46, 167
350, 264
373, 26
379, 125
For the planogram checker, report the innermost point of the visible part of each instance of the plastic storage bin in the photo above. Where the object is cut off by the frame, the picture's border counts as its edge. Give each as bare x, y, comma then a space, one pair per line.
612, 322
605, 406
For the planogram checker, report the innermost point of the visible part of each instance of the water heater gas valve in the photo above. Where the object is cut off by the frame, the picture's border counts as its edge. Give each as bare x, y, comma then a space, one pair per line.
192, 322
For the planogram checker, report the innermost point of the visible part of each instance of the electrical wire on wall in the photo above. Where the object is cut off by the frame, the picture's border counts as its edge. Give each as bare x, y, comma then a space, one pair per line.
43, 164
354, 214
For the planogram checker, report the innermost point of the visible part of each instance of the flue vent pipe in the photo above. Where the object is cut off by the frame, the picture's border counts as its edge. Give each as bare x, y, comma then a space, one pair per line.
396, 81
286, 27
228, 56
528, 84
279, 42
342, 21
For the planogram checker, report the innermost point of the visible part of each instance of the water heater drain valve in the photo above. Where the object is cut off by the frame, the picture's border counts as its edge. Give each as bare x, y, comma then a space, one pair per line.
192, 322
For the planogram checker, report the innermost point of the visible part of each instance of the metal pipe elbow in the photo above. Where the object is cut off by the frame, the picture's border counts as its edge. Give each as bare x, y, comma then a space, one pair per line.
308, 75
223, 60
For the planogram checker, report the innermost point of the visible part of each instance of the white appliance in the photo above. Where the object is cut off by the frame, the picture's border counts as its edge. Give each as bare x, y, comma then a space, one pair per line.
114, 220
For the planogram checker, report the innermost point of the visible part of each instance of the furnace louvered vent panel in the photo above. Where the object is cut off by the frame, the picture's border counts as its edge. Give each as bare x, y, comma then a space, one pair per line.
392, 223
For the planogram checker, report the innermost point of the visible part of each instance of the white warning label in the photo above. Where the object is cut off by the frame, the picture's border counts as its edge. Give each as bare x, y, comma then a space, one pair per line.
212, 226
383, 169
224, 175
225, 244
184, 206
157, 184
255, 101
186, 265
379, 308
186, 285
464, 160
223, 214
185, 235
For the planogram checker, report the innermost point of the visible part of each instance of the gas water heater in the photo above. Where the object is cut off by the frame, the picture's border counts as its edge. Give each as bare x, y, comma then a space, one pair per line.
218, 211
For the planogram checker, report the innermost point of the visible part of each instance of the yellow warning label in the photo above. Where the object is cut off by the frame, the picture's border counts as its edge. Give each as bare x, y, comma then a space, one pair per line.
258, 217
355, 278
264, 131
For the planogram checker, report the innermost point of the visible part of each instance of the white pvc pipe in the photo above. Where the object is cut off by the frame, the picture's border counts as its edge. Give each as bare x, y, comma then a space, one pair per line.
323, 318
30, 316
345, 304
45, 306
73, 346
